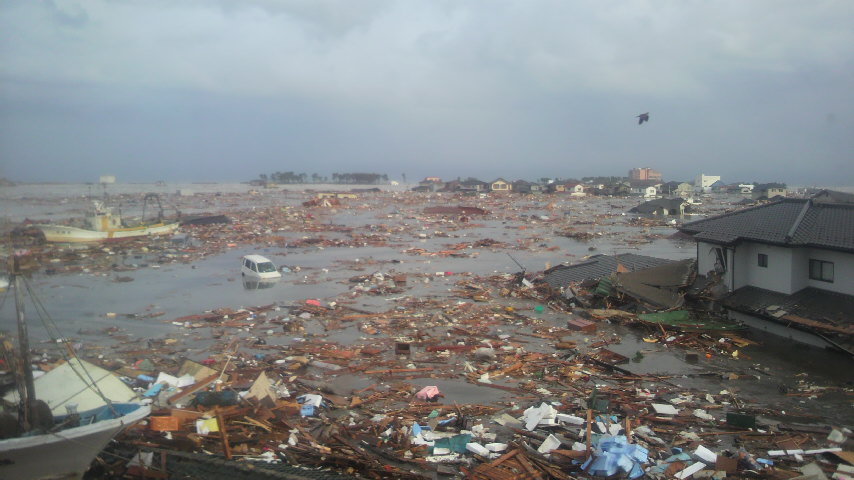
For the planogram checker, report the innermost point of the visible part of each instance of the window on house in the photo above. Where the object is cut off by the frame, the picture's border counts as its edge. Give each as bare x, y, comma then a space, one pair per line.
821, 270
763, 260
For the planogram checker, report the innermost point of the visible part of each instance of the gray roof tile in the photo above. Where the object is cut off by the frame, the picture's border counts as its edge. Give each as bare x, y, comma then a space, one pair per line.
827, 225
598, 266
809, 223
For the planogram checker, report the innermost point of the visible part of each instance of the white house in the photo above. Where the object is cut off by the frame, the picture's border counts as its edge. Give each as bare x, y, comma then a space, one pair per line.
786, 254
703, 182
574, 189
650, 192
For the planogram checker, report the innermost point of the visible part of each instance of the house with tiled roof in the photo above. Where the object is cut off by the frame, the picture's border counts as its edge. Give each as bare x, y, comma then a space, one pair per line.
776, 258
501, 185
768, 191
574, 188
474, 185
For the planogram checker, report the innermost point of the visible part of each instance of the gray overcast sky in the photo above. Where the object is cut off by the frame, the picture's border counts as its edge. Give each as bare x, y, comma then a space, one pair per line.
224, 90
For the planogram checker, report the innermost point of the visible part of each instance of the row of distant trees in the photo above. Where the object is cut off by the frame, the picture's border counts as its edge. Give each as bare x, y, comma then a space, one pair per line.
346, 178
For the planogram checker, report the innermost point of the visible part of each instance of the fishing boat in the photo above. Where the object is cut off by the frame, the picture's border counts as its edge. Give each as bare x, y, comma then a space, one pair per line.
53, 440
103, 224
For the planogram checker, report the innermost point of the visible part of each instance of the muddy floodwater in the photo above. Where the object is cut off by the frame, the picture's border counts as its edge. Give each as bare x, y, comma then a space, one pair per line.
113, 299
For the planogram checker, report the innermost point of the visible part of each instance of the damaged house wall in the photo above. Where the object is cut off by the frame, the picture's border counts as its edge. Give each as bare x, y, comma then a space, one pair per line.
794, 233
708, 261
787, 271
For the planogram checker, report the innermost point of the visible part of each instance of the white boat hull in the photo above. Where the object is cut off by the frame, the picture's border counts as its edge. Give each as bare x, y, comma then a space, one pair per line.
66, 454
65, 234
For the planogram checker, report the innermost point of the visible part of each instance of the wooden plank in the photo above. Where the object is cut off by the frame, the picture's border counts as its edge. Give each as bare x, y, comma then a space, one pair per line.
523, 460
193, 388
589, 427
226, 448
399, 370
504, 458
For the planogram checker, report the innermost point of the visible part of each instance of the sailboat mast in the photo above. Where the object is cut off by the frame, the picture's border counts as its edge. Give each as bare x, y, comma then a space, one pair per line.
29, 398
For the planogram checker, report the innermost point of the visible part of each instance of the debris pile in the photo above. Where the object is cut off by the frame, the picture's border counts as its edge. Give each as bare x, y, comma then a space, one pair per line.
430, 360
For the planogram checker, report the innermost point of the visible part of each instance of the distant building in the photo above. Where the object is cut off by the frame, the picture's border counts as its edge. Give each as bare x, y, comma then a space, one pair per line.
703, 182
683, 190
474, 185
575, 189
663, 206
644, 173
719, 186
501, 185
768, 191
429, 184
522, 186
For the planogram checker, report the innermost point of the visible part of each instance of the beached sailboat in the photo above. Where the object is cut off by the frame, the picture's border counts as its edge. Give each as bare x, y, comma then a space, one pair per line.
64, 418
103, 224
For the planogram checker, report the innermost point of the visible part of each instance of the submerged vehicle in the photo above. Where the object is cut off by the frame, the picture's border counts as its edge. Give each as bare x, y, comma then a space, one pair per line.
256, 266
252, 283
102, 223
54, 426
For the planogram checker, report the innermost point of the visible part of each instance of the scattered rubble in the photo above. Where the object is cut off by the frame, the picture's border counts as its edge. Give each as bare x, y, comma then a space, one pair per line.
457, 375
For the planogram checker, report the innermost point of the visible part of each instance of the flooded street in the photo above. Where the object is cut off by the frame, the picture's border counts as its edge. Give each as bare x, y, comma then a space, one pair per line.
120, 303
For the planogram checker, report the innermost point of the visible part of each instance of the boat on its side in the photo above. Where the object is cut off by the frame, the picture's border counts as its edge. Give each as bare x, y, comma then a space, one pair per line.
54, 426
67, 453
102, 224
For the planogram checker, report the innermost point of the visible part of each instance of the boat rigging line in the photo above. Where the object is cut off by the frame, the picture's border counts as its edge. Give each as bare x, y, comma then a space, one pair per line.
68, 352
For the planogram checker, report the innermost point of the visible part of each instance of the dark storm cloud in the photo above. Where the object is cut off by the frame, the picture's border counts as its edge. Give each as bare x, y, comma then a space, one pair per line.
204, 90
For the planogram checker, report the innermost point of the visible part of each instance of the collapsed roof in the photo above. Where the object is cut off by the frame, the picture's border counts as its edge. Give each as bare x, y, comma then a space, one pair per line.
597, 267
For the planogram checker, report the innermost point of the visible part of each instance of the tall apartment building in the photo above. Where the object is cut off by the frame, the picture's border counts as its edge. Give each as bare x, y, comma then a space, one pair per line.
644, 174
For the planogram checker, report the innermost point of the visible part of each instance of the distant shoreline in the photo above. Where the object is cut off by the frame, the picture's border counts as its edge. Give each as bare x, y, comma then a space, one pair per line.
314, 186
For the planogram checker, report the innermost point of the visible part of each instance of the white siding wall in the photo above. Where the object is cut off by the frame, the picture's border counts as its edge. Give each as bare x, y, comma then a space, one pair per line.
705, 257
777, 276
787, 271
801, 269
741, 267
843, 274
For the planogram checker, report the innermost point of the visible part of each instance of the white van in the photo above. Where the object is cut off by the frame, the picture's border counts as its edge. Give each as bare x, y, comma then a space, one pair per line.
256, 266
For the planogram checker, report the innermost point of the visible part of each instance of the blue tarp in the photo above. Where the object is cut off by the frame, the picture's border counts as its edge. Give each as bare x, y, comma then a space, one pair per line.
154, 390
613, 454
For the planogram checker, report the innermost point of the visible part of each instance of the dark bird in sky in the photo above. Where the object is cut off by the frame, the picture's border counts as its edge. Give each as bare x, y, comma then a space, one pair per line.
643, 117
